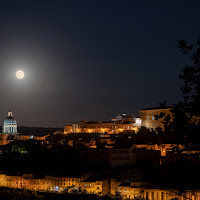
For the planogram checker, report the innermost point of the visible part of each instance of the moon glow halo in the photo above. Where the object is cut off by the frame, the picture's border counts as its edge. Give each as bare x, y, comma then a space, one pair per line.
20, 74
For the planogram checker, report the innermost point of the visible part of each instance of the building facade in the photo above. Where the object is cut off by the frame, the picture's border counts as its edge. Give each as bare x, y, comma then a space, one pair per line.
121, 123
128, 189
153, 118
10, 124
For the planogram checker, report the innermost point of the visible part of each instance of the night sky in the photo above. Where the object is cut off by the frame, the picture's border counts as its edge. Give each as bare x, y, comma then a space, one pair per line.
91, 60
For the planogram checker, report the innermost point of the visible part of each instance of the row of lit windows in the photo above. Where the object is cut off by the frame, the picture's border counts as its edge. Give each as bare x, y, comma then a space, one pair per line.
152, 118
9, 129
64, 184
73, 180
39, 182
89, 185
61, 180
17, 179
126, 190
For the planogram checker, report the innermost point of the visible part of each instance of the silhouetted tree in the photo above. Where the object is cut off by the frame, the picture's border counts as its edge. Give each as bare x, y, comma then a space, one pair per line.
191, 77
186, 113
163, 104
144, 129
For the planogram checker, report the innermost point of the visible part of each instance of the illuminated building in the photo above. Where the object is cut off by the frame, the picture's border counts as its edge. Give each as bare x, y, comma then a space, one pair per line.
68, 129
122, 123
7, 138
131, 188
10, 124
92, 184
10, 134
148, 117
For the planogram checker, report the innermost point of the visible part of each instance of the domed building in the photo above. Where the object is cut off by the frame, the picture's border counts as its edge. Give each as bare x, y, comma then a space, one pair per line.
10, 124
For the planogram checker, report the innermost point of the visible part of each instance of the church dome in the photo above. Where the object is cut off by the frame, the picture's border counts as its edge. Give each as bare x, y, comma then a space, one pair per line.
10, 124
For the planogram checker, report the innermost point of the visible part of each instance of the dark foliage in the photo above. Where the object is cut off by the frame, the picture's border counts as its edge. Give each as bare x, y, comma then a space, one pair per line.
191, 77
37, 131
186, 113
12, 194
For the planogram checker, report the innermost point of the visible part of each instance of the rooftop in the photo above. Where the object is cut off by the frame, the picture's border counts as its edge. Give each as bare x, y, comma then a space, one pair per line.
157, 108
94, 178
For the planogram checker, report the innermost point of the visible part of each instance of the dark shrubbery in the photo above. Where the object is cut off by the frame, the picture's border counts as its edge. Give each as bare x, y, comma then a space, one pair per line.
15, 194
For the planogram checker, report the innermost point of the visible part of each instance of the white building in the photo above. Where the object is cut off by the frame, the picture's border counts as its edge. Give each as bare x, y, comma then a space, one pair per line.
10, 124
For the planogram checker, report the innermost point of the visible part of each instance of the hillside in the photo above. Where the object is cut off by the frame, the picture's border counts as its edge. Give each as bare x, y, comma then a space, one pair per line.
37, 131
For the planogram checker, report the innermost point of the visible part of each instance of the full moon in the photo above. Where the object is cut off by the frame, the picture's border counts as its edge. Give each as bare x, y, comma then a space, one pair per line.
20, 74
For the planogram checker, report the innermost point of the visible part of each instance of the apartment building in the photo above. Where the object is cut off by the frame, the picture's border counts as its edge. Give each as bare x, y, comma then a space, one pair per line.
129, 189
154, 117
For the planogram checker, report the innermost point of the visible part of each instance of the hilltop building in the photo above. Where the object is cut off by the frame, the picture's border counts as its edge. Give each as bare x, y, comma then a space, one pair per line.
148, 116
10, 134
10, 124
151, 118
122, 123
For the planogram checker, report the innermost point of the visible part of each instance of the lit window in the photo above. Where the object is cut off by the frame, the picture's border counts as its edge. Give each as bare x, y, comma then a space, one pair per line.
153, 118
147, 118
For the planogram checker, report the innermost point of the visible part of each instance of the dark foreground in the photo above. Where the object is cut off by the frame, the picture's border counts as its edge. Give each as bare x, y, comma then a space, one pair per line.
16, 194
